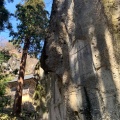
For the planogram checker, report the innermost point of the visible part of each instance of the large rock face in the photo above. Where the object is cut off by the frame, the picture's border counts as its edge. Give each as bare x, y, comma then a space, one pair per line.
79, 54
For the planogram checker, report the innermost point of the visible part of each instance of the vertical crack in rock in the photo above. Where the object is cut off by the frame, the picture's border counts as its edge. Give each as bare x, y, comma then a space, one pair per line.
88, 109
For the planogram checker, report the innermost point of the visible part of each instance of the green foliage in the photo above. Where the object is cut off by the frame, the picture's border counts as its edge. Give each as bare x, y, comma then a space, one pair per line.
4, 17
39, 97
33, 25
4, 56
4, 101
2, 87
3, 83
4, 116
24, 116
39, 92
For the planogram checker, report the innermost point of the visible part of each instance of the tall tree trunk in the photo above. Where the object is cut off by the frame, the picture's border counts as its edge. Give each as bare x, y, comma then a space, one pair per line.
18, 95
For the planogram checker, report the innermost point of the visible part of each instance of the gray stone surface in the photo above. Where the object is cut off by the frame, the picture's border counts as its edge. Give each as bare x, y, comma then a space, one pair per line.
79, 53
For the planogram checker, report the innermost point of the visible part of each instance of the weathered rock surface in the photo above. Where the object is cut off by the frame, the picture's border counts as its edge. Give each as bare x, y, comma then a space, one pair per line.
79, 55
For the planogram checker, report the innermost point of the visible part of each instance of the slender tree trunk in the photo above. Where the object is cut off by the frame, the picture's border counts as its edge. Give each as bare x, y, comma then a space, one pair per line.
18, 95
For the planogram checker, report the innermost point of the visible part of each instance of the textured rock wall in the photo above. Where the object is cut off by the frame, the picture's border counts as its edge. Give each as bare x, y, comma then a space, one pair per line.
79, 54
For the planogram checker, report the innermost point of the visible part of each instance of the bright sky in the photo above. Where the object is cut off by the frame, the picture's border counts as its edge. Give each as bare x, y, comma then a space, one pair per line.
11, 7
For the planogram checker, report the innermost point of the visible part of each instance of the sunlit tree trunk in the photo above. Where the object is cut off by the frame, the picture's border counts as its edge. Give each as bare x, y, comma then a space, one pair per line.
18, 96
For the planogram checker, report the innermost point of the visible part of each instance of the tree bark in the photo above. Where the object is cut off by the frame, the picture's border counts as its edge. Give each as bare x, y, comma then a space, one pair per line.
18, 96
